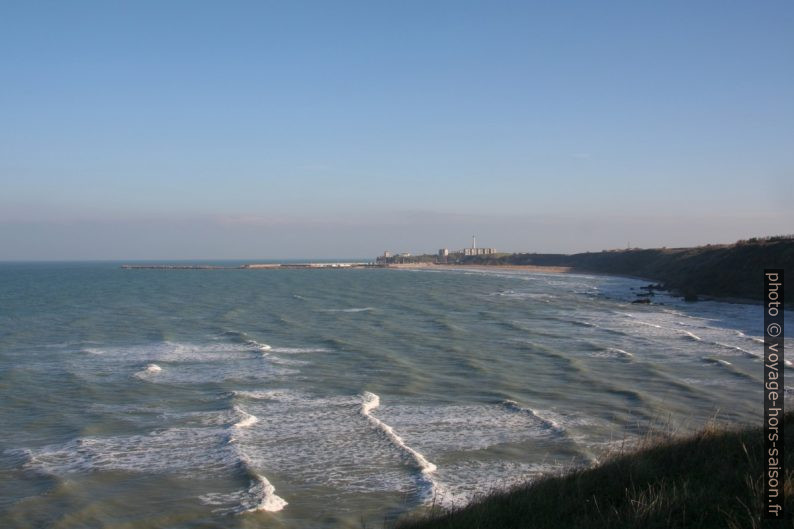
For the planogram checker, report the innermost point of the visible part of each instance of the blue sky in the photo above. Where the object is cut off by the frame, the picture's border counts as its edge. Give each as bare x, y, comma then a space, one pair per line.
333, 129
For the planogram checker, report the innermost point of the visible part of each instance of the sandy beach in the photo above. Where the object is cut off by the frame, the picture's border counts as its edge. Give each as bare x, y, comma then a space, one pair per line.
489, 268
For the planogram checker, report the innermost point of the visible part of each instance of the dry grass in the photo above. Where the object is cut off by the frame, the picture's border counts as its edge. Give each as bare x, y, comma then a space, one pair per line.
709, 479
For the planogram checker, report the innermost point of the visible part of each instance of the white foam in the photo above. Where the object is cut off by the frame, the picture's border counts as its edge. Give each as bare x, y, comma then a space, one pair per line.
736, 348
320, 442
298, 350
751, 338
259, 496
268, 501
265, 394
370, 401
285, 361
246, 419
149, 370
236, 371
612, 352
539, 296
719, 361
168, 351
648, 324
176, 450
354, 309
259, 345
691, 336
470, 479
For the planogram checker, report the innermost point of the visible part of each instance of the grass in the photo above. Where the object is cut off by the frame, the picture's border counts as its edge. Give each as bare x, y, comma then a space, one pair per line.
710, 479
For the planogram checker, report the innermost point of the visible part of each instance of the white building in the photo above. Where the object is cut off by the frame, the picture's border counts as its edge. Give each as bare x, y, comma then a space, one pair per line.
478, 251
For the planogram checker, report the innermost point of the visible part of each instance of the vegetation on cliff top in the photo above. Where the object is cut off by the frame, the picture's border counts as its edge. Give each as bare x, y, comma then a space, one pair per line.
713, 479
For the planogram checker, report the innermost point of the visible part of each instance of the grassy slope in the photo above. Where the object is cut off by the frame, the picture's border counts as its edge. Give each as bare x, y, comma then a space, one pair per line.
711, 479
734, 270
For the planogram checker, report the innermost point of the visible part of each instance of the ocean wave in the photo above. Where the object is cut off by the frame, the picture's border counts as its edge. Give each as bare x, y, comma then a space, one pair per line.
735, 348
285, 361
231, 371
246, 419
727, 366
149, 370
259, 345
691, 336
718, 361
648, 324
266, 494
168, 351
751, 338
351, 310
182, 451
370, 401
260, 495
612, 352
247, 342
298, 350
282, 395
546, 422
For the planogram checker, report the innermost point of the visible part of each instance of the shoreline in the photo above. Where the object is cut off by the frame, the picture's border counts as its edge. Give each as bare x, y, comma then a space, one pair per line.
522, 268
563, 270
535, 269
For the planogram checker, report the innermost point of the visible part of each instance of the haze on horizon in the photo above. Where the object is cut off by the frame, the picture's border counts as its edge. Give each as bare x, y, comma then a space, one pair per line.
188, 130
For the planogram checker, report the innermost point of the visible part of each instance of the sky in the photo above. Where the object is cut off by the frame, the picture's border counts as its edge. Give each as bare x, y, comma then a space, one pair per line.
270, 130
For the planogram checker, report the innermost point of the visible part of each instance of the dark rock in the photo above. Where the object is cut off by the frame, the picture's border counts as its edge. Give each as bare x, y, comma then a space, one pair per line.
645, 301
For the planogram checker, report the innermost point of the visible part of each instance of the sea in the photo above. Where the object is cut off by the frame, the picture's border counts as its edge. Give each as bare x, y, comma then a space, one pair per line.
337, 397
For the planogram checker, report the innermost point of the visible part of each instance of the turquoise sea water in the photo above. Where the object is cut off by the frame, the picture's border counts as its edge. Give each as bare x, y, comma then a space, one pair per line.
321, 398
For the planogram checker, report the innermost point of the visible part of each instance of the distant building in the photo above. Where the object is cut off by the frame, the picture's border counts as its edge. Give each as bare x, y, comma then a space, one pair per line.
478, 251
394, 258
443, 256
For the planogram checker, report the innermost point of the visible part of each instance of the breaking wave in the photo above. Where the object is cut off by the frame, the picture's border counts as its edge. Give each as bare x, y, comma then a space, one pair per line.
370, 401
544, 421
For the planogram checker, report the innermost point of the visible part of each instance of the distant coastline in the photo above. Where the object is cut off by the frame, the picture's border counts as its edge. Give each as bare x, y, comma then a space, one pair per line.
728, 272
251, 266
